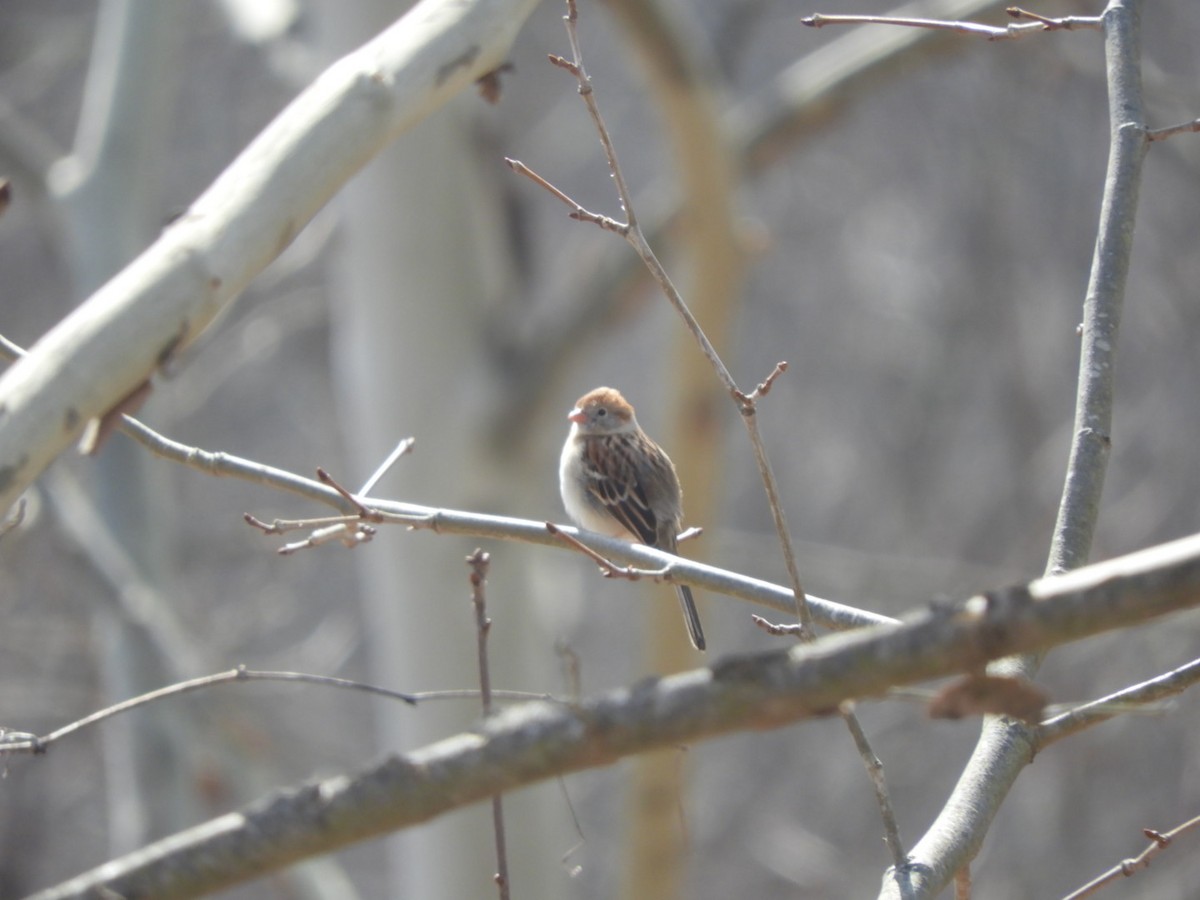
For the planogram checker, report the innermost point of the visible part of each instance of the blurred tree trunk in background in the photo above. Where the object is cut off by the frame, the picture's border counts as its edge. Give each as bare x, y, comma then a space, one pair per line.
109, 195
423, 256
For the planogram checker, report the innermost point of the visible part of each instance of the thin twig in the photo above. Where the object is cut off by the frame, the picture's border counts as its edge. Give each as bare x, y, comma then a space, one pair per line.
225, 465
778, 630
1057, 23
747, 404
9, 350
404, 447
26, 742
637, 240
15, 518
962, 883
634, 235
749, 410
1004, 746
479, 562
350, 531
1039, 25
473, 693
1159, 841
577, 212
1161, 134
241, 673
874, 767
607, 566
871, 761
573, 685
1127, 700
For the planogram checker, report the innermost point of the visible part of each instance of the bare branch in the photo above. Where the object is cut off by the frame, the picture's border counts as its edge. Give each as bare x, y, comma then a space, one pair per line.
637, 240
135, 323
479, 562
26, 742
1039, 25
1004, 745
1135, 698
14, 518
784, 630
402, 449
577, 212
1161, 134
883, 797
535, 741
1159, 841
35, 744
607, 566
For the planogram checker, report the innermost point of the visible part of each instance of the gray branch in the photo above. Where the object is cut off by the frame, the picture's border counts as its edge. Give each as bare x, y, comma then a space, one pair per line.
1005, 746
540, 740
119, 337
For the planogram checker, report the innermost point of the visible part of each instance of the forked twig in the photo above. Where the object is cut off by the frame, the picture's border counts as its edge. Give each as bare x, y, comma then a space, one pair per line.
609, 568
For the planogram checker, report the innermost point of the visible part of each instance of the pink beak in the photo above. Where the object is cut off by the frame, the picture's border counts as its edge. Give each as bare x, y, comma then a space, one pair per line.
577, 415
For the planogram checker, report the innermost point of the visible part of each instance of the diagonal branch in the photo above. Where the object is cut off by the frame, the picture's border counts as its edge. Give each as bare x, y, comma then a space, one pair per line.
135, 323
535, 741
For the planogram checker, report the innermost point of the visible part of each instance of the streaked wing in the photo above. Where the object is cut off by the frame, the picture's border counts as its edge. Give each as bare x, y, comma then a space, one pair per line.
613, 480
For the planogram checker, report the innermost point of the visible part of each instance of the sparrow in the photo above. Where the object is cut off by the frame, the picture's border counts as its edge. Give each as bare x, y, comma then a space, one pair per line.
616, 481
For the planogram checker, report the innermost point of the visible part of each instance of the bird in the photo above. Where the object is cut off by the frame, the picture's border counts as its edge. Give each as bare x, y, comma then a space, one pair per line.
616, 481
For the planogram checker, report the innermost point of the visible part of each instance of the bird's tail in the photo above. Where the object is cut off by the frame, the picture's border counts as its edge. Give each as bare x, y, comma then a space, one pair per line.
691, 618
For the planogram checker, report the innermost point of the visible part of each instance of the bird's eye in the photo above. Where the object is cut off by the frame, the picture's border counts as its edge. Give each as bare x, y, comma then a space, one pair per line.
602, 411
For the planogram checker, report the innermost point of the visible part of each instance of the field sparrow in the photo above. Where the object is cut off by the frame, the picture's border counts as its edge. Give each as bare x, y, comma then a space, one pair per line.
616, 481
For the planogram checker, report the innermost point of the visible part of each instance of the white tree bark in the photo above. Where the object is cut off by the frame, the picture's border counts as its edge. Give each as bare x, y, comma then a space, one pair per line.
113, 343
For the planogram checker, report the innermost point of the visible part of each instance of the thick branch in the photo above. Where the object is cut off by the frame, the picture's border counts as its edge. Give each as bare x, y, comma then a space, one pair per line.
536, 741
123, 333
